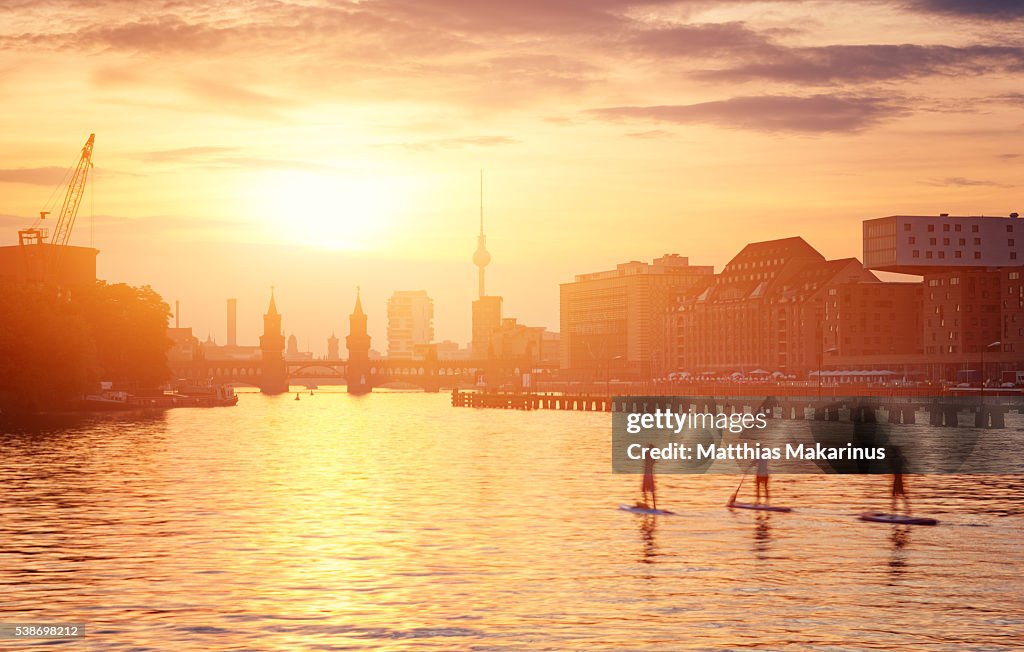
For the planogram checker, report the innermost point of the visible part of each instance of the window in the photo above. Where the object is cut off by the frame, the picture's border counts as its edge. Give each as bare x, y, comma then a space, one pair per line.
932, 241
1009, 242
911, 240
931, 227
958, 254
942, 254
1014, 276
945, 242
977, 241
945, 227
974, 228
963, 242
958, 227
917, 253
927, 254
1009, 228
977, 255
906, 227
1013, 255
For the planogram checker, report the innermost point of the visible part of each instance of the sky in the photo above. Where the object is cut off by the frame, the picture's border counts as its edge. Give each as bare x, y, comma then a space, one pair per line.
321, 146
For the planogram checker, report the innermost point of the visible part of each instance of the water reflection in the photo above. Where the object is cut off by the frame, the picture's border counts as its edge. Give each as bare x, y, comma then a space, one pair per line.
762, 534
648, 526
397, 522
900, 538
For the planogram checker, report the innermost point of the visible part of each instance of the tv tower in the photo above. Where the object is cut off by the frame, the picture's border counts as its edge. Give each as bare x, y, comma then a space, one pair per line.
481, 258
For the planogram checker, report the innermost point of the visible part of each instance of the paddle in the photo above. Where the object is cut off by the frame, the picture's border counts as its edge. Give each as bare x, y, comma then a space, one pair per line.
737, 492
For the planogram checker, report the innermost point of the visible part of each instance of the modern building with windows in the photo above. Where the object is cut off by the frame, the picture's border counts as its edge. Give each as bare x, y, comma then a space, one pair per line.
616, 323
916, 244
410, 323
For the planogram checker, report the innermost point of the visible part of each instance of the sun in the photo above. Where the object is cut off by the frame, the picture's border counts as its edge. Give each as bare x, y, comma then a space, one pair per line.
339, 211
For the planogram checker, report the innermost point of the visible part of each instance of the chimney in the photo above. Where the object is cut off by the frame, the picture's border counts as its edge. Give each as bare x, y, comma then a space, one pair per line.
232, 321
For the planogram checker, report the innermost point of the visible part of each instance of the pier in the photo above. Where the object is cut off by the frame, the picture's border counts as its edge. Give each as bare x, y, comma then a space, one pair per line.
938, 411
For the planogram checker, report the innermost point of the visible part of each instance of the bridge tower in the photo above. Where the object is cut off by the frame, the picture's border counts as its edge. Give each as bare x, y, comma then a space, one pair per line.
274, 378
358, 344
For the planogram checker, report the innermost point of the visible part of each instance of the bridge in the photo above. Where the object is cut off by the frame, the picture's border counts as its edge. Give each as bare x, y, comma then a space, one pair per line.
429, 375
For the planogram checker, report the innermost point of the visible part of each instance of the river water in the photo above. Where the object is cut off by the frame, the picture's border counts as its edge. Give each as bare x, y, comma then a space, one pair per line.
396, 522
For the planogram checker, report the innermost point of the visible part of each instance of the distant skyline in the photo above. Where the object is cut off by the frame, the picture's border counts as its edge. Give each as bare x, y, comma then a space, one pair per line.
320, 146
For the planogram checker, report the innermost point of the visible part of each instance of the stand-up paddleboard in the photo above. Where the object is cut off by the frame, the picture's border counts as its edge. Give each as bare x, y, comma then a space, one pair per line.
645, 510
763, 508
879, 517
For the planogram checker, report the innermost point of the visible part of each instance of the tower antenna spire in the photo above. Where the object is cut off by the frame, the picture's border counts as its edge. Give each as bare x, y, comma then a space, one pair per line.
481, 258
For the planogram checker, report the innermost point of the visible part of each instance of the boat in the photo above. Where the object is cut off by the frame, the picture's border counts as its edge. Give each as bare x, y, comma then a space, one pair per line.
109, 400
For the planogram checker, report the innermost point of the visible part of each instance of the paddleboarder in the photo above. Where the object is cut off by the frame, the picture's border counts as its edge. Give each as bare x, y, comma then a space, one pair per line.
761, 480
648, 483
898, 464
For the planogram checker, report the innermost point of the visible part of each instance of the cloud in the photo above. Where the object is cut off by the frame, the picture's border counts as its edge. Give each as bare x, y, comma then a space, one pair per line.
45, 176
167, 34
703, 40
869, 63
534, 16
773, 113
223, 95
1013, 99
995, 9
965, 182
649, 134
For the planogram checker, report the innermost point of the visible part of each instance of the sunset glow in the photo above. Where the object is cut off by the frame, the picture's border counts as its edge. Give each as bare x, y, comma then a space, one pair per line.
360, 128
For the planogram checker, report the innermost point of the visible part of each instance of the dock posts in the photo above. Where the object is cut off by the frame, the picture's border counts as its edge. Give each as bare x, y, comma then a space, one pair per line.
943, 415
989, 416
799, 411
902, 413
951, 413
895, 414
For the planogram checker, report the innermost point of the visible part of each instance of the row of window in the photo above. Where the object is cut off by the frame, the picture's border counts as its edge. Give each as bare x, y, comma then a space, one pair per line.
1010, 242
956, 228
956, 254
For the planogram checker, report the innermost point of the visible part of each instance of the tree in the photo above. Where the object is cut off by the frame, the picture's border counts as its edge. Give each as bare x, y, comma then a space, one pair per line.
57, 344
128, 326
46, 357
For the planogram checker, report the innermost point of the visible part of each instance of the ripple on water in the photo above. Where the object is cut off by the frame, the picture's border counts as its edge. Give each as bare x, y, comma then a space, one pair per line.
394, 521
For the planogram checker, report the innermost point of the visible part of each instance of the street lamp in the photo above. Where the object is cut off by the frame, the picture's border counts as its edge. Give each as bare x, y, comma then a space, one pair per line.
996, 343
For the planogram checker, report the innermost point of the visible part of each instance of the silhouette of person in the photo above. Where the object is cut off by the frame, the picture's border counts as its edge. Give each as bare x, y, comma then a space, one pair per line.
647, 486
898, 463
761, 480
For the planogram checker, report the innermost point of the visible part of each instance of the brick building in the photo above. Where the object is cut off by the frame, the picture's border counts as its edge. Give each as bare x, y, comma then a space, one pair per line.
763, 312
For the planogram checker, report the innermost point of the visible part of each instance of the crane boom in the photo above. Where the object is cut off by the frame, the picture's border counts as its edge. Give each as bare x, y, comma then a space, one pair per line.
76, 188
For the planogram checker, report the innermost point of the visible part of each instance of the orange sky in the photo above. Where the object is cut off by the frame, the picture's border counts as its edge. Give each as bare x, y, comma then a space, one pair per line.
316, 146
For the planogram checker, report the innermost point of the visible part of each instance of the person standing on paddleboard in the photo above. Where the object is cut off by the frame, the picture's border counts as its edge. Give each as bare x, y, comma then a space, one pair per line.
898, 464
761, 480
648, 483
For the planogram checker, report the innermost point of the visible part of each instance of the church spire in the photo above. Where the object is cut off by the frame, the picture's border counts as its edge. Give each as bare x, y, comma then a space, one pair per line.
272, 309
359, 304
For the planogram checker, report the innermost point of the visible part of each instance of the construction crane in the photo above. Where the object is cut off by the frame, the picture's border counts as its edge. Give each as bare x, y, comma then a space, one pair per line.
69, 210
